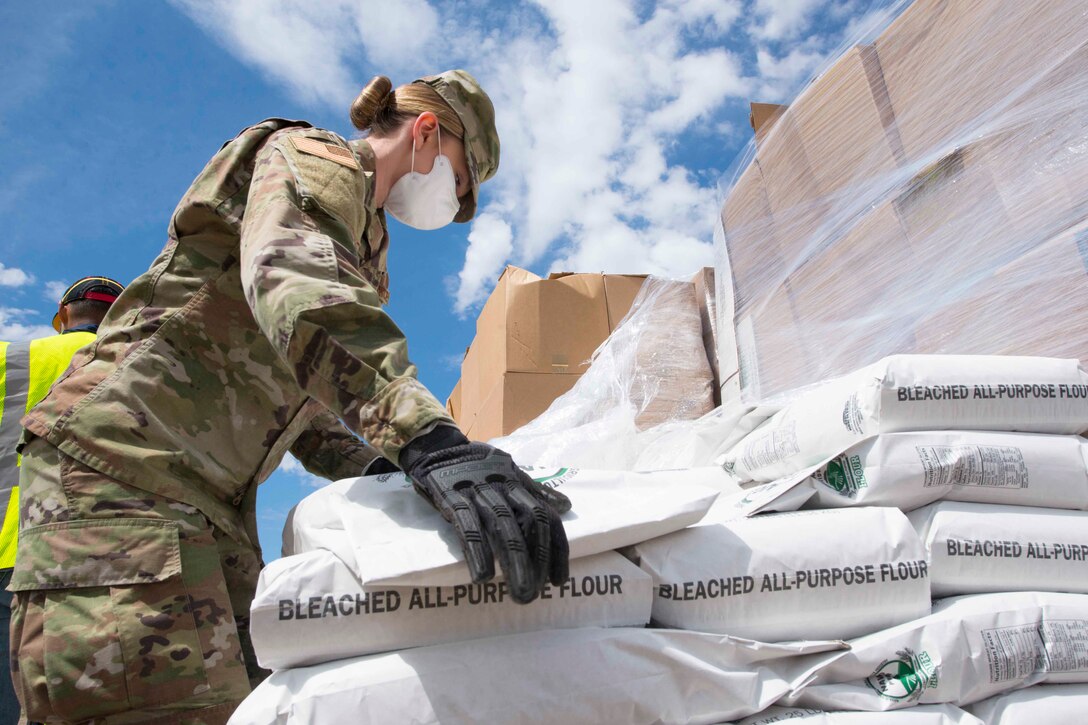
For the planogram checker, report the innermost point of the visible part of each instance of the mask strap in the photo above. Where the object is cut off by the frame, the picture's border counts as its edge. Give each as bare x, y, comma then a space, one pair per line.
414, 148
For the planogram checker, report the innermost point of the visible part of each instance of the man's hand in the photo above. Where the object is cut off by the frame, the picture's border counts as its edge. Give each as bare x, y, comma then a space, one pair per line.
495, 508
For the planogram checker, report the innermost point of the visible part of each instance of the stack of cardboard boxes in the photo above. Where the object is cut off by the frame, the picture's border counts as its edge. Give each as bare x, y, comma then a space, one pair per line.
926, 193
534, 339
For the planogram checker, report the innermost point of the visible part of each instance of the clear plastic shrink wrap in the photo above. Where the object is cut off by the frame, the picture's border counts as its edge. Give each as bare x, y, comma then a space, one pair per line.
928, 192
649, 375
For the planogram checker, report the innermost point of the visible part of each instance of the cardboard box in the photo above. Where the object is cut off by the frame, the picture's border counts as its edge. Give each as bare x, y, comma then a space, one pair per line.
852, 298
762, 117
793, 192
552, 325
1034, 305
453, 406
948, 64
516, 399
835, 138
754, 254
540, 326
846, 128
953, 200
706, 298
1040, 164
770, 347
671, 378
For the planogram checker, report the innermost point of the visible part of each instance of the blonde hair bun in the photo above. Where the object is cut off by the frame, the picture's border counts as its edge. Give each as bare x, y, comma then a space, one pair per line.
371, 101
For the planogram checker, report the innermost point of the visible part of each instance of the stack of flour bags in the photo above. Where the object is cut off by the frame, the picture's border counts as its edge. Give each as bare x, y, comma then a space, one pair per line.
370, 618
960, 478
933, 476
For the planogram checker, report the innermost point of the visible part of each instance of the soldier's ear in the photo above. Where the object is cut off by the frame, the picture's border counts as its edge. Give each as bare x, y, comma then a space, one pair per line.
62, 316
424, 128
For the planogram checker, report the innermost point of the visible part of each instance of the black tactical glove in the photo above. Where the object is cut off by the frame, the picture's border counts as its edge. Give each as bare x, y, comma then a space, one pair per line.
379, 465
495, 508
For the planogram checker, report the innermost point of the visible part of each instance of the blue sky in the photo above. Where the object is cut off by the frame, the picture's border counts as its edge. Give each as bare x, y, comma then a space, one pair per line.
617, 117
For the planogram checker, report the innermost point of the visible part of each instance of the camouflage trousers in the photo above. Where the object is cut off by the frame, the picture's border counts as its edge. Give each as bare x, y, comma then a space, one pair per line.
129, 607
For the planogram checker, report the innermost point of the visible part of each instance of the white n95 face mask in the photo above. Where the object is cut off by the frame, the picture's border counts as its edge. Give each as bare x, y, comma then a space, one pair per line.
425, 201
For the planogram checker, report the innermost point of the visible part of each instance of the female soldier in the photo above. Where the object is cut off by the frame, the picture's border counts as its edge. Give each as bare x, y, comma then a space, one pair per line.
257, 330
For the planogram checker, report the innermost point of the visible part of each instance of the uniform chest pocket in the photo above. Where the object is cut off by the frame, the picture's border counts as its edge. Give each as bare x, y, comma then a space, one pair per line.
115, 615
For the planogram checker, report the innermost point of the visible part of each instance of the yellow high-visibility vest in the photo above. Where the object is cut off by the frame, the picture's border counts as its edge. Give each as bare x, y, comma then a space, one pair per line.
27, 371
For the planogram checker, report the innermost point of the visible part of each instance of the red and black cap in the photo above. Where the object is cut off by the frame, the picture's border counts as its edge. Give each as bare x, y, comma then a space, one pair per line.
100, 289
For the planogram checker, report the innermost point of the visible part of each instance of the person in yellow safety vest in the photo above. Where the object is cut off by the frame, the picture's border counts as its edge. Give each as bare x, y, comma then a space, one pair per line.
27, 371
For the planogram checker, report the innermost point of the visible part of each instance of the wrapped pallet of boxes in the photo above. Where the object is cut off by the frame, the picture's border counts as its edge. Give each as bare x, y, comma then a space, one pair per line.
534, 339
925, 193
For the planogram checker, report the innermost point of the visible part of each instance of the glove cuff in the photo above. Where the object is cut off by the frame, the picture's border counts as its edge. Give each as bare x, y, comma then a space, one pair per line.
418, 449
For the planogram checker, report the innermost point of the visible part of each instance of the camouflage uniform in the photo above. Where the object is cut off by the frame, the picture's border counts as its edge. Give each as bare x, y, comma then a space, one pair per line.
257, 330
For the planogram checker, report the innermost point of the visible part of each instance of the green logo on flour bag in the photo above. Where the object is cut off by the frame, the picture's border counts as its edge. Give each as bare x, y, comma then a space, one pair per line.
844, 474
553, 478
904, 677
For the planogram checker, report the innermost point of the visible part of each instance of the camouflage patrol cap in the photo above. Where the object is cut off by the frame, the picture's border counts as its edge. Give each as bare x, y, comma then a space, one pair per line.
471, 104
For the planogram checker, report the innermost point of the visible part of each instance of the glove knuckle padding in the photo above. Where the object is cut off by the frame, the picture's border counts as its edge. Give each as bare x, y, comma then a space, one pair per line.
467, 526
560, 551
497, 510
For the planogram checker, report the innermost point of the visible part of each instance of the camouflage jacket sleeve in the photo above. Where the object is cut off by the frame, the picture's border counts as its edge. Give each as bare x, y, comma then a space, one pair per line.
327, 449
304, 221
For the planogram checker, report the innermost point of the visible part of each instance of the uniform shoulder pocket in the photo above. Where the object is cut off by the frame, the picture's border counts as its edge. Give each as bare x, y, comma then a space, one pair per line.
96, 552
327, 176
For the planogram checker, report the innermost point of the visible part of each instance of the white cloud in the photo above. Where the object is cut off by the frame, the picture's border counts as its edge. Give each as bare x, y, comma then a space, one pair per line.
54, 290
300, 44
783, 19
291, 466
782, 76
401, 31
589, 112
14, 277
596, 102
17, 325
313, 46
490, 244
720, 13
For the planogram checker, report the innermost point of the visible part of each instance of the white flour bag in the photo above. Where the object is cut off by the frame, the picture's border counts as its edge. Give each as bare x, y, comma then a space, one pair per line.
913, 393
388, 535
776, 577
310, 608
909, 470
970, 648
975, 548
921, 715
569, 676
1039, 705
